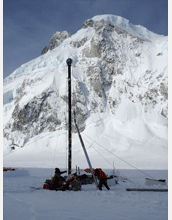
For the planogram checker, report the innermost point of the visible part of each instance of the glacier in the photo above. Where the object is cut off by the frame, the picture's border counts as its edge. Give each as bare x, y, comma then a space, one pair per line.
119, 92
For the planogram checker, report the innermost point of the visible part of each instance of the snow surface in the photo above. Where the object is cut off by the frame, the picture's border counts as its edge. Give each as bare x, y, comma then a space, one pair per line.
124, 24
50, 149
23, 202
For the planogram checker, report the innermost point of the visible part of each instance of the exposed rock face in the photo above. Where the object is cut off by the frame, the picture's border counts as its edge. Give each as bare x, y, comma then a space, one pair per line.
88, 23
78, 44
36, 116
56, 40
103, 26
92, 50
44, 50
164, 90
79, 104
40, 114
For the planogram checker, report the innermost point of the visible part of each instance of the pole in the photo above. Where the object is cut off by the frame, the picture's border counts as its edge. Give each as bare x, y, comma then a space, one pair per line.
86, 155
69, 62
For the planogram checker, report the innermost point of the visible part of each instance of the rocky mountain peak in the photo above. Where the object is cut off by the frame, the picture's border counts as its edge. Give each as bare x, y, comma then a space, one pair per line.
56, 40
119, 70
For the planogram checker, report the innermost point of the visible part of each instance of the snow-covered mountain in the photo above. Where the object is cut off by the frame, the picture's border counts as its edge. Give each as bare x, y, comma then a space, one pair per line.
119, 92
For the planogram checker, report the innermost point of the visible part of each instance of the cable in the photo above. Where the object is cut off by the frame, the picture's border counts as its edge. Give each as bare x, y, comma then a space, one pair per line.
105, 159
91, 145
123, 160
29, 144
54, 155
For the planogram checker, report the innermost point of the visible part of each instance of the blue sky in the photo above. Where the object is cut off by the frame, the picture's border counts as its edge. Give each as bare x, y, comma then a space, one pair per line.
28, 25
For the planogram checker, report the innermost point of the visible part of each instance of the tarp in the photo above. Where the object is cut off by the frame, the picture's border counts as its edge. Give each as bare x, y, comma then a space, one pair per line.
87, 170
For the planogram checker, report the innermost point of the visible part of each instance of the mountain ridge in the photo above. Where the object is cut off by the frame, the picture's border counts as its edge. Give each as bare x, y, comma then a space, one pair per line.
118, 73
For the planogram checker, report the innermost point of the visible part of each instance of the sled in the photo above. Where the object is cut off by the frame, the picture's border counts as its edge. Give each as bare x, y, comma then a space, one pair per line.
150, 182
70, 183
7, 169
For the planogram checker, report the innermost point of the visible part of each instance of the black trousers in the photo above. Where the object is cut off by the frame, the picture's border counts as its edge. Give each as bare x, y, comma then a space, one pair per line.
103, 181
55, 185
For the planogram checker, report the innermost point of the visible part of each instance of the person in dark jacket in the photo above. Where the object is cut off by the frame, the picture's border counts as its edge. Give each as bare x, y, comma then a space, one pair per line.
57, 178
58, 173
102, 178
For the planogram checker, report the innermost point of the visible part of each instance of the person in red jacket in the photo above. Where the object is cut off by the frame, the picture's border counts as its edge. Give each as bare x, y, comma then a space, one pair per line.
102, 178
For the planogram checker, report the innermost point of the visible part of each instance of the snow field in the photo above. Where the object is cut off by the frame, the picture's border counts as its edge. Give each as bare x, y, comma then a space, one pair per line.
50, 149
23, 202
